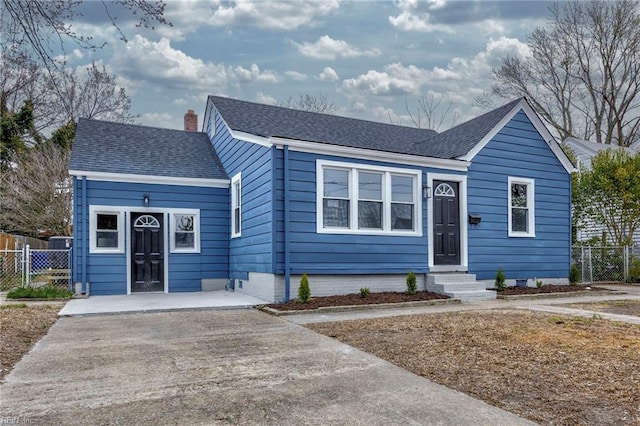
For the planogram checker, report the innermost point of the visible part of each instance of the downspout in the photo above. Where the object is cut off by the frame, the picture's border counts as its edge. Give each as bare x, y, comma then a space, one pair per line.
85, 232
287, 254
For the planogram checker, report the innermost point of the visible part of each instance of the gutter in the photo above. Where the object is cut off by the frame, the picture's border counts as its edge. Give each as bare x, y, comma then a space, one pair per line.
287, 253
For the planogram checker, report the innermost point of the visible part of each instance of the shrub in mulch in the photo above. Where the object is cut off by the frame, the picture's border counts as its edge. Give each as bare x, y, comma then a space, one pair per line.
548, 288
356, 299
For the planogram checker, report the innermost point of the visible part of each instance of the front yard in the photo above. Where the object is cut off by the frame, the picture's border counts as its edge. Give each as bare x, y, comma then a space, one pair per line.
552, 369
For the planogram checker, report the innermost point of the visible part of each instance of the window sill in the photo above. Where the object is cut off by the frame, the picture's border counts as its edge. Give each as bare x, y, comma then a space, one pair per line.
369, 232
521, 235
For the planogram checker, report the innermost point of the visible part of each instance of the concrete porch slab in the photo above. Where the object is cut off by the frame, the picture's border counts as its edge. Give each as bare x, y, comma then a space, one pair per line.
158, 302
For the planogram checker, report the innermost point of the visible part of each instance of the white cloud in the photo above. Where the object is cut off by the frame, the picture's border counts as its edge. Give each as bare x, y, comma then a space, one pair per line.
158, 62
328, 48
395, 80
156, 119
328, 74
416, 16
295, 75
461, 79
272, 15
266, 99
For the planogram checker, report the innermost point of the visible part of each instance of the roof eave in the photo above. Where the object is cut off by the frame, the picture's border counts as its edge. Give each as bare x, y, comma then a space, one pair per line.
149, 179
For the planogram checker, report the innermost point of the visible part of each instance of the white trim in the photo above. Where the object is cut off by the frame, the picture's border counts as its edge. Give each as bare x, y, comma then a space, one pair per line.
531, 206
94, 211
235, 203
353, 168
159, 180
370, 154
248, 137
537, 123
196, 231
462, 200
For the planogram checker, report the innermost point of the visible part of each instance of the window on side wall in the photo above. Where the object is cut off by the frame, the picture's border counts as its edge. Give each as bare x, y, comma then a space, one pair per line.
185, 232
521, 207
236, 206
106, 231
362, 199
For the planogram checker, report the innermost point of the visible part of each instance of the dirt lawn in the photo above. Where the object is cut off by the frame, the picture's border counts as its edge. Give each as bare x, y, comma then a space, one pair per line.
551, 369
21, 326
620, 307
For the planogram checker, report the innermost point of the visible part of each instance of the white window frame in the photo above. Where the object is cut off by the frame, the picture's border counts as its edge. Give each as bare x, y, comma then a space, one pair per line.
353, 169
94, 211
531, 217
235, 203
173, 230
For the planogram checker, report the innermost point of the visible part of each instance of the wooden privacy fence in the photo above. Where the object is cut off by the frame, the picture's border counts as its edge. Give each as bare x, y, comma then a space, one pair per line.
18, 242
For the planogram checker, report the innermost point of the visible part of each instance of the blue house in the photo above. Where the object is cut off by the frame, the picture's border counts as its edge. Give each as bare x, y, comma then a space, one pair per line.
267, 193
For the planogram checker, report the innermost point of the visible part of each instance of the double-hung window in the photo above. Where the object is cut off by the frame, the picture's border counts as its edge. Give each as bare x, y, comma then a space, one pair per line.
236, 205
185, 231
521, 207
363, 199
106, 230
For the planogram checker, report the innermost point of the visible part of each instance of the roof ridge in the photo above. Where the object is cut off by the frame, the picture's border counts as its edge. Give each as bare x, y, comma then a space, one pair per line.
139, 125
324, 114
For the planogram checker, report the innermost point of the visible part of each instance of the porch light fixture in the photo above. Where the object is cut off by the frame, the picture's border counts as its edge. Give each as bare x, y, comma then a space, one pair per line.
145, 200
426, 192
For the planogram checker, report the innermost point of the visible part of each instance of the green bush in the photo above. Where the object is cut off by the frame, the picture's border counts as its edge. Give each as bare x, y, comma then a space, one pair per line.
634, 270
500, 280
412, 286
574, 275
364, 292
304, 291
46, 292
539, 283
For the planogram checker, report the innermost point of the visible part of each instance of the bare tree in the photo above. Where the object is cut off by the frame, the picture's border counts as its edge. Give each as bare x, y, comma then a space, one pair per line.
95, 95
583, 74
313, 103
45, 26
36, 194
432, 112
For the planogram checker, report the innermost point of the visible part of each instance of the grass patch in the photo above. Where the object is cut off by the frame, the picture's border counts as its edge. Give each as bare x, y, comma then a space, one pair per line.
46, 292
14, 306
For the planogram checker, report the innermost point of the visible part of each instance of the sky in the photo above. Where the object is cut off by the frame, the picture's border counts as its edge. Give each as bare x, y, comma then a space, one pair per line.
370, 58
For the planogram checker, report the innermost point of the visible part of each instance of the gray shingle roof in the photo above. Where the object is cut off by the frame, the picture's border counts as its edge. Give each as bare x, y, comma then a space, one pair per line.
273, 121
461, 139
101, 146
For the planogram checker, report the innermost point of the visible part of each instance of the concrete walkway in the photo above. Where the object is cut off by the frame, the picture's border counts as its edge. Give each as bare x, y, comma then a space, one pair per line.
220, 367
158, 302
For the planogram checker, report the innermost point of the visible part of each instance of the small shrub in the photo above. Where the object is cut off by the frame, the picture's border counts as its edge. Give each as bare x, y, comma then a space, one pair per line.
46, 292
634, 270
304, 291
539, 283
364, 292
412, 286
574, 275
500, 280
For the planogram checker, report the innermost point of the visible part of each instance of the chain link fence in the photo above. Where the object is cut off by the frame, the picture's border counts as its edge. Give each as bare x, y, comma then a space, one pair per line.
35, 268
606, 263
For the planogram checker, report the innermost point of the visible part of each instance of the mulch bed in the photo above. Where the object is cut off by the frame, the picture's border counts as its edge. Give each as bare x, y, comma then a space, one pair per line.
549, 288
356, 299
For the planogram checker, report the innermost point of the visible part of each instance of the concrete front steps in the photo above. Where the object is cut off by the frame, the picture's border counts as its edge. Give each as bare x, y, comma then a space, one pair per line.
459, 286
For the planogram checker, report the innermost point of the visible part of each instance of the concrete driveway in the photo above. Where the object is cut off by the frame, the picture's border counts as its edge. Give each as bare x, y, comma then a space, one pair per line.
220, 367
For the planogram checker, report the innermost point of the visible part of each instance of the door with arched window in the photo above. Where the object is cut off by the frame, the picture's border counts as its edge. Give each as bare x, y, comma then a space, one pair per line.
147, 252
446, 223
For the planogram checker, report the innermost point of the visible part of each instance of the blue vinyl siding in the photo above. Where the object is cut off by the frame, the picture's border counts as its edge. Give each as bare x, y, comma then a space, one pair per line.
253, 250
316, 253
107, 273
519, 151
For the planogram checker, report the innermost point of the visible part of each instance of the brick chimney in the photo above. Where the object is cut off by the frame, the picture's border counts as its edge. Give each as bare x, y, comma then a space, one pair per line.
191, 121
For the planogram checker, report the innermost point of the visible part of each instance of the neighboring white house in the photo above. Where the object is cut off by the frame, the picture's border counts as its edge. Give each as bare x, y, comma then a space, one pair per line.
584, 151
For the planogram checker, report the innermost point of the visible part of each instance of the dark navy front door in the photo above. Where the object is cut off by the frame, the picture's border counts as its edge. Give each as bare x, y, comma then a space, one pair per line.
147, 252
446, 223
